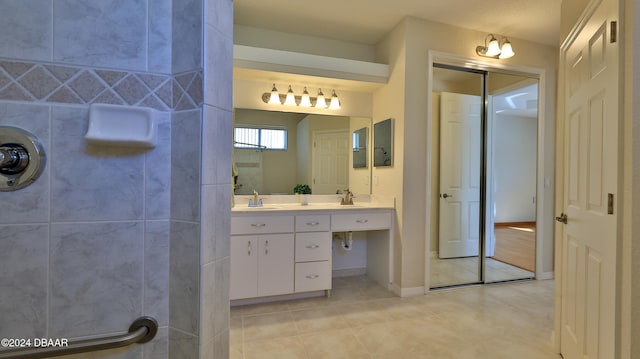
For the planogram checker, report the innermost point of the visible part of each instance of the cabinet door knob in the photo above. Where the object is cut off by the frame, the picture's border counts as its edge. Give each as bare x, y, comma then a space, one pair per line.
313, 276
362, 220
258, 225
313, 223
313, 246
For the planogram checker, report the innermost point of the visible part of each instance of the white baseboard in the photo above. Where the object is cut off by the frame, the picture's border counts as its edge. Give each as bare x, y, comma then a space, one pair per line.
407, 292
545, 276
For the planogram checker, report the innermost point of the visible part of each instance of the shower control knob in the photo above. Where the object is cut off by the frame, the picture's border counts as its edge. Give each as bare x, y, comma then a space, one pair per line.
22, 158
13, 159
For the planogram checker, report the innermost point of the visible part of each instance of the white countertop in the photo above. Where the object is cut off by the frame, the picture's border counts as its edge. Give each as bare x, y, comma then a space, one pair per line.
316, 203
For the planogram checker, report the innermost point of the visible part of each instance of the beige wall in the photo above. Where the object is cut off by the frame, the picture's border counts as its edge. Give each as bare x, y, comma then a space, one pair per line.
251, 36
389, 101
406, 50
570, 11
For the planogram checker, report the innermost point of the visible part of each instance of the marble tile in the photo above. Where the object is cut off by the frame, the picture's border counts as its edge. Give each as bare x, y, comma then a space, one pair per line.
217, 347
92, 182
158, 173
334, 344
182, 345
25, 30
214, 308
320, 319
30, 204
96, 277
24, 267
363, 313
264, 308
158, 348
268, 326
184, 277
275, 348
101, 33
218, 69
219, 14
216, 222
187, 36
156, 271
471, 322
185, 165
217, 132
130, 352
235, 331
159, 48
221, 348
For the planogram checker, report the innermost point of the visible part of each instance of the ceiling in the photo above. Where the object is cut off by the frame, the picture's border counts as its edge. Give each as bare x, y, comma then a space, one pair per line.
367, 21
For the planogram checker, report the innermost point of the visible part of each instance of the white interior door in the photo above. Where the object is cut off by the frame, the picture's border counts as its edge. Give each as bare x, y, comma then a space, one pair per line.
460, 120
330, 161
591, 167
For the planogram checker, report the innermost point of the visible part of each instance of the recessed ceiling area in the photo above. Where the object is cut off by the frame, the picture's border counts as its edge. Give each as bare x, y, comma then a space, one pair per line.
367, 21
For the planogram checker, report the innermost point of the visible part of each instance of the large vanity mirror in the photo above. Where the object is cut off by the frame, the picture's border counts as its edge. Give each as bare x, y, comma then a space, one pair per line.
274, 151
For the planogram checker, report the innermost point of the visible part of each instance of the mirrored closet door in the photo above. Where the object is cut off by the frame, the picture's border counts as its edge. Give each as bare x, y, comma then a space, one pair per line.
484, 174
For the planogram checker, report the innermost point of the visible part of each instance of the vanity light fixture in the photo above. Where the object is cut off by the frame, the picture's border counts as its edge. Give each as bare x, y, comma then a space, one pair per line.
320, 101
493, 48
274, 97
335, 101
290, 99
305, 100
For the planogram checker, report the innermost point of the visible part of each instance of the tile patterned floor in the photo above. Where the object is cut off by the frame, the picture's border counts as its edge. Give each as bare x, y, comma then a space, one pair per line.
362, 320
454, 271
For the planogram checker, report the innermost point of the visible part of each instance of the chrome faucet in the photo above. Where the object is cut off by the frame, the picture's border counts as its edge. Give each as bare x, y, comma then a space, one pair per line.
347, 199
255, 202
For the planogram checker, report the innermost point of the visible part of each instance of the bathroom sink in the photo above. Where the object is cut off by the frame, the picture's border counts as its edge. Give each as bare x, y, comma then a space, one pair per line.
264, 207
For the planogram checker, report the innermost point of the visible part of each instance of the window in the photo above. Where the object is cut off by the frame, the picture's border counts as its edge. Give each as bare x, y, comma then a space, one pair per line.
265, 138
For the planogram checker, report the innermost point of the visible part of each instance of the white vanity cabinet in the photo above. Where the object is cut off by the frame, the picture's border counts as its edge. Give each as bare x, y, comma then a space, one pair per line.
262, 256
288, 251
313, 253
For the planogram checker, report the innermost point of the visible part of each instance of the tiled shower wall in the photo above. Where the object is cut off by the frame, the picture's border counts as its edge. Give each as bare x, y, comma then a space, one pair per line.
108, 233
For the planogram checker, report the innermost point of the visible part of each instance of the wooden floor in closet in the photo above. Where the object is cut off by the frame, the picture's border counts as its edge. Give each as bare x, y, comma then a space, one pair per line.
516, 244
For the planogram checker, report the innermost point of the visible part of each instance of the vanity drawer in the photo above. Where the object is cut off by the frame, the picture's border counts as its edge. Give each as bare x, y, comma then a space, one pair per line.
313, 223
313, 246
261, 224
360, 221
313, 276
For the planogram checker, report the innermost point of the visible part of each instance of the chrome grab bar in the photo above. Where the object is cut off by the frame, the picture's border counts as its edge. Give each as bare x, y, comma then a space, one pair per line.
142, 330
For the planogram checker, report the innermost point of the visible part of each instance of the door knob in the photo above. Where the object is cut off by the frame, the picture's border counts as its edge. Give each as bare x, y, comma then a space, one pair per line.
446, 195
562, 218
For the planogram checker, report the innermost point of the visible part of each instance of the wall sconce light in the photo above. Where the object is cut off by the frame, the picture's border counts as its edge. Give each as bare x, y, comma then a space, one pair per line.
290, 99
493, 48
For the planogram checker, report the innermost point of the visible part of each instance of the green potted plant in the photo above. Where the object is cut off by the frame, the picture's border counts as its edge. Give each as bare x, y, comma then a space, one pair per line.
303, 191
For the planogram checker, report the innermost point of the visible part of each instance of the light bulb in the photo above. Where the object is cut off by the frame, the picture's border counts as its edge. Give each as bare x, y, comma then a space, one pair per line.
335, 102
274, 98
320, 101
507, 50
494, 47
291, 99
305, 100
